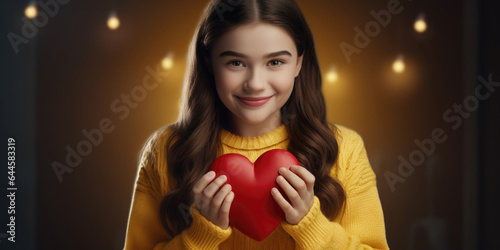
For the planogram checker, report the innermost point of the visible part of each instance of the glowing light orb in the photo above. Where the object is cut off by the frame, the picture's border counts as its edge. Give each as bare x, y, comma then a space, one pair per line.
31, 11
113, 22
398, 65
167, 62
332, 75
420, 25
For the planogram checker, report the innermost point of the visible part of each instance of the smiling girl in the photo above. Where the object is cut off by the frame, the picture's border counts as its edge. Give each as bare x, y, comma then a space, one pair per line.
253, 84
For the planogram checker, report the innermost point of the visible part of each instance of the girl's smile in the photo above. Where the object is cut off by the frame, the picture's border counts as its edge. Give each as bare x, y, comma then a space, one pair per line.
254, 101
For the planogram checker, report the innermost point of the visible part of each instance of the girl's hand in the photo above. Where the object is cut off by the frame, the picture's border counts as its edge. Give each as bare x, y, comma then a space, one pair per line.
298, 185
213, 203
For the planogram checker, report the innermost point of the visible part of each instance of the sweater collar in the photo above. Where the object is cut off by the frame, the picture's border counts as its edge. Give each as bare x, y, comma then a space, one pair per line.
274, 137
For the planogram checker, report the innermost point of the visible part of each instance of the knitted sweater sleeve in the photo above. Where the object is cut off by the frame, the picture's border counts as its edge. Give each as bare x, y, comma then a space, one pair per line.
361, 226
145, 230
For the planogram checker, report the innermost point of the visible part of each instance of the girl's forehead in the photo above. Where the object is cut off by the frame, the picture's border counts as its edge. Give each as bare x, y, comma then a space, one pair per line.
255, 39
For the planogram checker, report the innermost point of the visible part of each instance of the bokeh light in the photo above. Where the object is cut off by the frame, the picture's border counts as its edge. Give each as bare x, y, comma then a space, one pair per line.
398, 66
168, 61
420, 24
332, 75
31, 10
113, 21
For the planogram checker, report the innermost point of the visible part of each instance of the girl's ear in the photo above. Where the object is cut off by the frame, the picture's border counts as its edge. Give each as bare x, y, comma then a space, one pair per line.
299, 64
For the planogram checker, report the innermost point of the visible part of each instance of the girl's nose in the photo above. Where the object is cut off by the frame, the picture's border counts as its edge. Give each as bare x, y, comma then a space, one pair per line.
255, 81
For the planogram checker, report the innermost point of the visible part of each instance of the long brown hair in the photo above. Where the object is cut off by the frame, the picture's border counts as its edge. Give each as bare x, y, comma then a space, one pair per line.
195, 138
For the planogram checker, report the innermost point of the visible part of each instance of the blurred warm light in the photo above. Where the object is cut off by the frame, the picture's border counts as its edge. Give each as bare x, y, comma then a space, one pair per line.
332, 75
31, 10
401, 85
420, 25
398, 65
113, 21
168, 61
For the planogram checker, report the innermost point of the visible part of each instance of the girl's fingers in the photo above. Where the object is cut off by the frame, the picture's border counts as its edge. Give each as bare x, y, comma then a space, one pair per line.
282, 202
212, 188
211, 200
205, 189
221, 195
225, 208
216, 201
199, 200
226, 205
305, 175
203, 182
290, 191
298, 184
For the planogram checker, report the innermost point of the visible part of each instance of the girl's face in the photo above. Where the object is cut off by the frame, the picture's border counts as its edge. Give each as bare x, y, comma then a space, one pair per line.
254, 67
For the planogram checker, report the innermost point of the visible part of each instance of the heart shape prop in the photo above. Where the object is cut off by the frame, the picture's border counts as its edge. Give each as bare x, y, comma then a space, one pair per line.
254, 212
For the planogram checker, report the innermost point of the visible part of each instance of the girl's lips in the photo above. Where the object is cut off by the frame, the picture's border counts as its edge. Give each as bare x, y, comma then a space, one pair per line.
254, 101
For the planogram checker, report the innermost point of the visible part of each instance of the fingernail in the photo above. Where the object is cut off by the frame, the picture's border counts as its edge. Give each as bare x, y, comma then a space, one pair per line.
223, 177
282, 170
211, 174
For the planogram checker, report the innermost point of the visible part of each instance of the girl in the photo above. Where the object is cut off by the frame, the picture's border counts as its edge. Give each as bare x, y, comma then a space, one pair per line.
253, 84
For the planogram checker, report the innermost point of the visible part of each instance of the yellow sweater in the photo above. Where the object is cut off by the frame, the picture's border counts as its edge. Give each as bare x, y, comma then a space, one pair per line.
361, 226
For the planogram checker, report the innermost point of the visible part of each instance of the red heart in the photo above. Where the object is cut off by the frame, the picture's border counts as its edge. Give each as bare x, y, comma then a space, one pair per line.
254, 212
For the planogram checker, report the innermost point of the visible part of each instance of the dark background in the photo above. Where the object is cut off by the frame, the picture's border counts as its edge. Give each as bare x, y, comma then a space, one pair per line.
64, 80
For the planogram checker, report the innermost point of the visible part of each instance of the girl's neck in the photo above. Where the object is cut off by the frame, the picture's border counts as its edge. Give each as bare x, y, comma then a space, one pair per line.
241, 128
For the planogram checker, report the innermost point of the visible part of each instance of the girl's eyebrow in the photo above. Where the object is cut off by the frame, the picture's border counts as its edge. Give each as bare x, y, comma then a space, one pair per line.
236, 54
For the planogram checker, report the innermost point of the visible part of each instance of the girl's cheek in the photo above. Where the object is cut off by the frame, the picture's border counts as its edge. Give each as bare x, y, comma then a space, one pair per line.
283, 83
228, 80
233, 80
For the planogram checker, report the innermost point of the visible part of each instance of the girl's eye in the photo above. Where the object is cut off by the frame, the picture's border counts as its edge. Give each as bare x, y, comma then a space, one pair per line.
276, 62
235, 63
